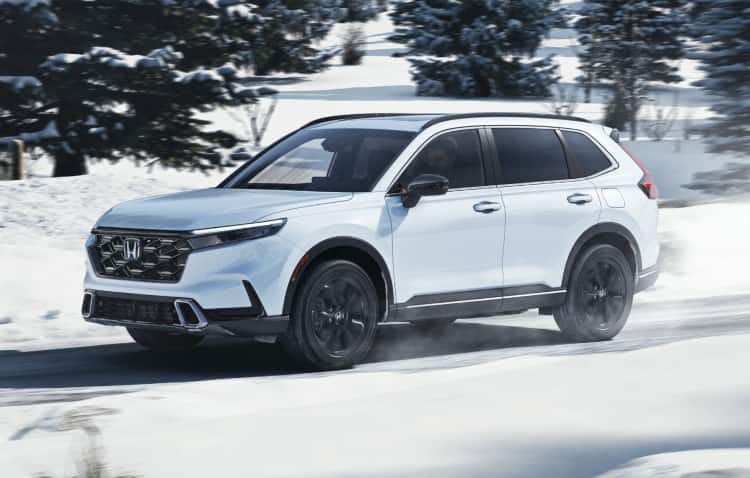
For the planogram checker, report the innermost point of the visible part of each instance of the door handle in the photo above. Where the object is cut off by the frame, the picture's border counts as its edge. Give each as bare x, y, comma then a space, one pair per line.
487, 207
579, 198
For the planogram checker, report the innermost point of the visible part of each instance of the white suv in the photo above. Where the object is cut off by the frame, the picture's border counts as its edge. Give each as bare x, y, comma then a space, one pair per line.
356, 220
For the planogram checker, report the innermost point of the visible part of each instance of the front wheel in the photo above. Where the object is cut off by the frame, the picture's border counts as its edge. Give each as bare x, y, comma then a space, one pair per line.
163, 341
600, 295
334, 317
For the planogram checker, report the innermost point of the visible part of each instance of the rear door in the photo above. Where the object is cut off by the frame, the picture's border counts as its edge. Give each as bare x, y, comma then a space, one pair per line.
547, 208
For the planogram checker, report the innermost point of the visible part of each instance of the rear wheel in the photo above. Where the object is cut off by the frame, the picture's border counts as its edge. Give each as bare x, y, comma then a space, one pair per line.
334, 317
163, 341
600, 295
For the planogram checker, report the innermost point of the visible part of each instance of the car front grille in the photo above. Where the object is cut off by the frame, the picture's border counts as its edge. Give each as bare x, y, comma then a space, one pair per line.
139, 256
133, 310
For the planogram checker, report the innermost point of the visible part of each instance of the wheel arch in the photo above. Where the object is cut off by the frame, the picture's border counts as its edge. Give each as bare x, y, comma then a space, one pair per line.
348, 248
605, 233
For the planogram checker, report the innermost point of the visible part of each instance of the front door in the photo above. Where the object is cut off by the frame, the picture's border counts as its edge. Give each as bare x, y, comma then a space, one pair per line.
447, 250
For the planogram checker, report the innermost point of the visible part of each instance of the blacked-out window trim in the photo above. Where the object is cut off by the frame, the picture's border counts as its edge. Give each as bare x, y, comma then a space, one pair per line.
489, 157
574, 169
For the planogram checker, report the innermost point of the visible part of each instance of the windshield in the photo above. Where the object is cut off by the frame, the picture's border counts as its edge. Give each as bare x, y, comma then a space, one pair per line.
335, 160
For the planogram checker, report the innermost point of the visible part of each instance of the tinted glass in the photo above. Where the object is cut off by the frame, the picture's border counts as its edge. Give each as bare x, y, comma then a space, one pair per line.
530, 155
589, 157
455, 155
337, 160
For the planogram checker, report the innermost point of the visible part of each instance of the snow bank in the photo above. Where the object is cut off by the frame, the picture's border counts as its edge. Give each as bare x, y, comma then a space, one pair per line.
43, 225
704, 251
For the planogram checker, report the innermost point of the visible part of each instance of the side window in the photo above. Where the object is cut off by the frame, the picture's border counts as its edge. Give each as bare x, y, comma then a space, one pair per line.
589, 157
530, 155
455, 155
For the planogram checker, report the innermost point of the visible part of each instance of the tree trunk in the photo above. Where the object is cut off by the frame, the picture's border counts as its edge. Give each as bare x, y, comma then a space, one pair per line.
633, 117
69, 164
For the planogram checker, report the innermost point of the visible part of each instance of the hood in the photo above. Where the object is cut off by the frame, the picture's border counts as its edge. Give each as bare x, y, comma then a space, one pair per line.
215, 207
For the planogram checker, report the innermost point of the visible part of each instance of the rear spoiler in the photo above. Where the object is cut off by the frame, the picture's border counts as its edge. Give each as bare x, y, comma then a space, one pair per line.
613, 133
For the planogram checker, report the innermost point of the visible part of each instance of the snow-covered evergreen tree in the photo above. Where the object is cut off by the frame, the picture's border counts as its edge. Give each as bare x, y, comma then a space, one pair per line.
136, 97
360, 10
283, 33
477, 47
630, 43
723, 28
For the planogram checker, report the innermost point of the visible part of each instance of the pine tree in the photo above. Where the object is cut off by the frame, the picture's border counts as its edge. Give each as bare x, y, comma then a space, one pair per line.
139, 97
477, 47
284, 31
360, 10
723, 28
630, 43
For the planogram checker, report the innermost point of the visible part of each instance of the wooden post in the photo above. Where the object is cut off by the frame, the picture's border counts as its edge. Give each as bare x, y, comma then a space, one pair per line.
16, 161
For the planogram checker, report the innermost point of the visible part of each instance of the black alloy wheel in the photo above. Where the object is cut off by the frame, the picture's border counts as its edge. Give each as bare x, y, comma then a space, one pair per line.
600, 295
338, 312
334, 317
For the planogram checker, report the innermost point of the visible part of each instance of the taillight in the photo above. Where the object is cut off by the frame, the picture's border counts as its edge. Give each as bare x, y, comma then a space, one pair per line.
647, 183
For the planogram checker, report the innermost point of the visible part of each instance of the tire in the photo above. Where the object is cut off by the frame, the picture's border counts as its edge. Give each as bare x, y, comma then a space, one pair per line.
600, 295
432, 327
163, 341
334, 316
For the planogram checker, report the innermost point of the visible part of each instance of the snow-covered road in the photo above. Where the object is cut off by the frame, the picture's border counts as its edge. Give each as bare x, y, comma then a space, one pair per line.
496, 397
68, 374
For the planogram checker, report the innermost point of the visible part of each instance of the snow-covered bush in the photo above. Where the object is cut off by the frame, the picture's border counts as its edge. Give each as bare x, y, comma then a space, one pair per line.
352, 45
477, 48
629, 43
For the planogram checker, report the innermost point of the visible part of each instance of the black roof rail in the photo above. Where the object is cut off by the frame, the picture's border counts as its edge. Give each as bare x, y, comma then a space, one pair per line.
500, 115
326, 119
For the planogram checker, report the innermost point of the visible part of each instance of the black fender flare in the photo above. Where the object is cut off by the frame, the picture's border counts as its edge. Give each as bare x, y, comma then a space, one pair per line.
590, 233
326, 245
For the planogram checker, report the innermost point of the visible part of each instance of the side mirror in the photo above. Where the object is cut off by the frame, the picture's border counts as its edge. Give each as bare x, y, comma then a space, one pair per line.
423, 185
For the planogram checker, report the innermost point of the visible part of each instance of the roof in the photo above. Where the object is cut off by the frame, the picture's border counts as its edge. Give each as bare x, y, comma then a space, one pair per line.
418, 122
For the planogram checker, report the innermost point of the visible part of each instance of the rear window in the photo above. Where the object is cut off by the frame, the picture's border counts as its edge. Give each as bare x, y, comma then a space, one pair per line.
530, 155
588, 156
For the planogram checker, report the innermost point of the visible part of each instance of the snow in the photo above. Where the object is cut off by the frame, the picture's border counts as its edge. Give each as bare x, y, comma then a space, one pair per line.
725, 463
705, 245
19, 83
522, 417
43, 224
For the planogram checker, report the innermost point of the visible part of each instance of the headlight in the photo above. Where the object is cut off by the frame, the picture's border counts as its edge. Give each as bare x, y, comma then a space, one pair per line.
215, 236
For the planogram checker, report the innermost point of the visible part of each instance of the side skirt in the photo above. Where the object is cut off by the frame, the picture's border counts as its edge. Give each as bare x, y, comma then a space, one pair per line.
477, 303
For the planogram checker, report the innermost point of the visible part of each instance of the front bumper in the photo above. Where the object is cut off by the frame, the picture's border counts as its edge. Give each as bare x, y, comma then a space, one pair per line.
177, 315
